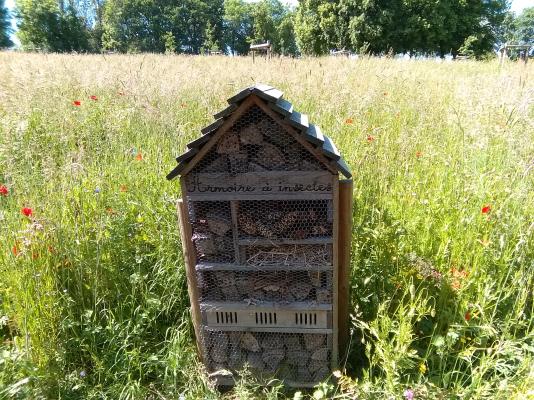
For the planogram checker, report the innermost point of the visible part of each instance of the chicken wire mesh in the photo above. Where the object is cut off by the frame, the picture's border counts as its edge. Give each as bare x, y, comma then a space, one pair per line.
294, 219
300, 357
256, 143
296, 255
211, 223
262, 286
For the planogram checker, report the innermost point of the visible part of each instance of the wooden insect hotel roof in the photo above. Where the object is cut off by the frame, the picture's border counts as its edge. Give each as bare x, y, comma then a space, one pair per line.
323, 147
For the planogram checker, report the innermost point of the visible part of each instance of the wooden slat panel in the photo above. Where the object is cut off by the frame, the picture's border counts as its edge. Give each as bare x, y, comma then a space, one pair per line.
343, 168
197, 143
283, 107
344, 243
274, 330
272, 95
212, 126
257, 317
265, 241
314, 135
299, 121
187, 155
330, 150
226, 112
243, 267
264, 306
267, 184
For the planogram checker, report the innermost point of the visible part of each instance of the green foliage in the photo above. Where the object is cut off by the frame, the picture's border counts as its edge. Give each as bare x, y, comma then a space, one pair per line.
524, 24
5, 26
48, 26
237, 25
381, 26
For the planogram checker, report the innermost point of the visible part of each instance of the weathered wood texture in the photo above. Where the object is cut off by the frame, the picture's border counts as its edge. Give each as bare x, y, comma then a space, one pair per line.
190, 262
344, 247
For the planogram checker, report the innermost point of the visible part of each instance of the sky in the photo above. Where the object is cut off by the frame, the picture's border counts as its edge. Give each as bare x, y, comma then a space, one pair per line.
517, 7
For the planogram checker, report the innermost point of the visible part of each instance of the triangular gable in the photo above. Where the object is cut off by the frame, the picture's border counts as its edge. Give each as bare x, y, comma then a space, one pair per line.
270, 101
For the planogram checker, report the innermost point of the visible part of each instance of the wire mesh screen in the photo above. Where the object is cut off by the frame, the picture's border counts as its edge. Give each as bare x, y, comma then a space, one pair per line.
211, 223
295, 219
262, 286
302, 357
257, 143
296, 255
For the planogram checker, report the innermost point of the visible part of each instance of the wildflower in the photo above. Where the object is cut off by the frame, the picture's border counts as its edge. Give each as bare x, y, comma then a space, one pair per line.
486, 209
419, 154
337, 373
4, 190
35, 255
458, 277
15, 250
120, 93
370, 138
83, 374
422, 368
139, 157
77, 103
51, 250
97, 190
94, 98
348, 121
408, 394
183, 105
110, 210
123, 188
28, 212
467, 316
385, 93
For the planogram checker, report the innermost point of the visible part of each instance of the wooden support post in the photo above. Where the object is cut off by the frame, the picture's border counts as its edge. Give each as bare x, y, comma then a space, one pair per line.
190, 262
344, 243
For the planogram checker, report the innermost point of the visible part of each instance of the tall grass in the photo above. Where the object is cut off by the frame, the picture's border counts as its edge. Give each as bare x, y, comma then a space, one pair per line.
92, 288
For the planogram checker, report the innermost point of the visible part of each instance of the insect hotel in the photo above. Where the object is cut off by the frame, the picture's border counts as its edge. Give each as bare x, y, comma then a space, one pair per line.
265, 227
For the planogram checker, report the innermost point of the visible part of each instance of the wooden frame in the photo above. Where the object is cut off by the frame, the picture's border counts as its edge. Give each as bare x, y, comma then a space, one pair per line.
318, 185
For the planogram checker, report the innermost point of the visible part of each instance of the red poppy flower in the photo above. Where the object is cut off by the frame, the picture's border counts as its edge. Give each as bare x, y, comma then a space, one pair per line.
35, 255
77, 103
123, 188
385, 93
94, 98
4, 190
467, 316
486, 209
370, 138
419, 154
139, 157
15, 250
27, 211
348, 121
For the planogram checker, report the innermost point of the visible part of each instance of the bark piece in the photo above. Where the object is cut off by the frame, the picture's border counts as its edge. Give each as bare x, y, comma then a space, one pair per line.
236, 359
225, 278
320, 354
315, 278
303, 374
272, 358
292, 343
228, 144
230, 293
251, 135
255, 167
220, 164
238, 161
315, 365
301, 290
249, 342
205, 243
219, 351
270, 156
321, 374
297, 357
323, 296
218, 224
313, 341
272, 343
255, 361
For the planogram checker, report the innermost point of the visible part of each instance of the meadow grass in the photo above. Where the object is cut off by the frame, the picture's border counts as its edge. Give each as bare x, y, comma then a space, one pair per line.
93, 299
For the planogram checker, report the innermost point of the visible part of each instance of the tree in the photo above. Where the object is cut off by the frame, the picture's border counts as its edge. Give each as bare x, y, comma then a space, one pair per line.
310, 36
50, 26
524, 26
237, 25
287, 44
5, 26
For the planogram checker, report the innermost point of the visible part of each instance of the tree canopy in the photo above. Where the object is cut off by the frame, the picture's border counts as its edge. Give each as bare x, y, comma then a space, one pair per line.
5, 26
315, 27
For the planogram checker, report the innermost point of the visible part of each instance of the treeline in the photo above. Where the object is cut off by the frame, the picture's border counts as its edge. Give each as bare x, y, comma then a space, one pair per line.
172, 26
315, 27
